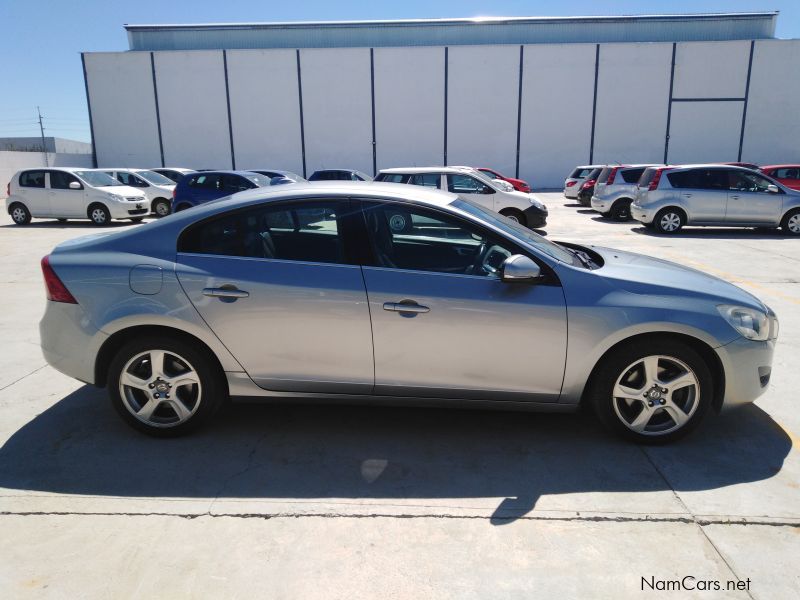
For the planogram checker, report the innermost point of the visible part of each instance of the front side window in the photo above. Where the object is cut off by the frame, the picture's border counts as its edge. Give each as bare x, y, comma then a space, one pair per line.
60, 180
97, 178
234, 183
33, 179
303, 231
433, 180
205, 182
465, 184
743, 181
433, 242
130, 179
155, 178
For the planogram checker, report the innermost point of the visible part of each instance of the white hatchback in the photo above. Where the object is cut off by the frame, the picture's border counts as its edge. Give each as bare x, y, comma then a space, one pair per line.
155, 186
69, 193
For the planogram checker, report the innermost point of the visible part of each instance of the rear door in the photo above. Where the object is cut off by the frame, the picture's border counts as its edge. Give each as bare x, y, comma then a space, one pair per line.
278, 285
65, 201
32, 189
749, 200
443, 323
703, 192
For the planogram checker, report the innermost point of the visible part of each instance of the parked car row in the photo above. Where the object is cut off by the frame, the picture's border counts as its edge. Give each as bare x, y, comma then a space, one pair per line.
124, 193
669, 197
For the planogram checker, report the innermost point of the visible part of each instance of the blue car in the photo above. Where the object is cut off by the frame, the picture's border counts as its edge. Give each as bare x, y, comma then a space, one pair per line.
204, 186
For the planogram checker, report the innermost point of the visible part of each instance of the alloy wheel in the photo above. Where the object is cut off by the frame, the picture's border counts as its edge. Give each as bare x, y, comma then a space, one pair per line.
793, 224
656, 395
98, 215
162, 209
160, 388
18, 214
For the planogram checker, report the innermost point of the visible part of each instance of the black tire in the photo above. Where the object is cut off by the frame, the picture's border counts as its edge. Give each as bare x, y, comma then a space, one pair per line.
791, 222
161, 207
210, 396
137, 219
99, 215
515, 215
19, 213
621, 210
669, 220
181, 207
615, 365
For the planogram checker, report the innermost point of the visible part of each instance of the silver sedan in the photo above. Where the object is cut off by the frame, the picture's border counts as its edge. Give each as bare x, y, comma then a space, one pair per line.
306, 291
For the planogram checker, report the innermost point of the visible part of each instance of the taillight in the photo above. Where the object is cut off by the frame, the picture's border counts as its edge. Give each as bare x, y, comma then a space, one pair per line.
656, 178
56, 290
569, 183
173, 191
588, 183
612, 175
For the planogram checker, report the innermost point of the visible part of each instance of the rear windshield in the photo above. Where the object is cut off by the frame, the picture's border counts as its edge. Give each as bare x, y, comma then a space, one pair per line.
594, 173
603, 177
632, 175
580, 173
647, 177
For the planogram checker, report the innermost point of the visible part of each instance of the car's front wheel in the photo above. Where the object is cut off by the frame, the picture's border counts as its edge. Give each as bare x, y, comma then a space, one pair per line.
165, 386
791, 222
99, 214
161, 207
652, 392
514, 215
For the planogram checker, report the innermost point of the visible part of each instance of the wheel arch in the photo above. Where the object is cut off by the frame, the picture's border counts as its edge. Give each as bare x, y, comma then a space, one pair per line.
13, 201
117, 340
706, 352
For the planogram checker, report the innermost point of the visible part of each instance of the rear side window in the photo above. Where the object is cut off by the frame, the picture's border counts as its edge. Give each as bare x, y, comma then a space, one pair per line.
699, 179
205, 181
603, 177
307, 231
632, 175
60, 180
34, 179
130, 179
788, 173
426, 179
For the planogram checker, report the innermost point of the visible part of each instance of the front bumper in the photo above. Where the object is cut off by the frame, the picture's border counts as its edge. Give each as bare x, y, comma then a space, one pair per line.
535, 217
642, 215
128, 208
748, 368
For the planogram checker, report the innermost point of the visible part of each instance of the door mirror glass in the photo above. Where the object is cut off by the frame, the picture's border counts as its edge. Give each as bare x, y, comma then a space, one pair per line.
519, 268
773, 189
74, 185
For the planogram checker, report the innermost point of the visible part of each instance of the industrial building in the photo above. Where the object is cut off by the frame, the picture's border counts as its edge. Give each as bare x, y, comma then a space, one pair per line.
530, 97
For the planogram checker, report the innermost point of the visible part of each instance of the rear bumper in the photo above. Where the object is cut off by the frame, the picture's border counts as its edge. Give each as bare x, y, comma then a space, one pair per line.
748, 368
534, 217
642, 215
600, 205
69, 342
571, 192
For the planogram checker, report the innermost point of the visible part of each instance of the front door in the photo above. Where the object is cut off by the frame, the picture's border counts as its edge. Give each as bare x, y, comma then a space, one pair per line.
277, 285
750, 201
444, 325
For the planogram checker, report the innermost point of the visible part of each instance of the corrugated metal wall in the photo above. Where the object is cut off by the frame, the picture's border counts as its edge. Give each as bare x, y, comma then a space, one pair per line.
538, 110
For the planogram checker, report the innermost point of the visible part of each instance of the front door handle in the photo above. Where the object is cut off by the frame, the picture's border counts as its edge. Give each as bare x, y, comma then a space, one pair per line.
226, 293
687, 195
733, 197
405, 306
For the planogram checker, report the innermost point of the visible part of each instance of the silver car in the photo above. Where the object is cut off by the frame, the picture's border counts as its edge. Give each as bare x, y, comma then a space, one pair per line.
305, 291
615, 190
572, 184
670, 197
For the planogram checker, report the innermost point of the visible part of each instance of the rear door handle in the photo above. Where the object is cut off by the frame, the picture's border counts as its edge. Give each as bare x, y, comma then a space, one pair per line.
406, 307
733, 197
687, 195
226, 292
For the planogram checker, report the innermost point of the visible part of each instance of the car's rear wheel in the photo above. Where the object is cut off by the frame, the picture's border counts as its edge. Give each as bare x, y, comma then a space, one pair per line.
652, 392
791, 222
669, 220
99, 214
621, 210
514, 215
161, 207
19, 214
164, 386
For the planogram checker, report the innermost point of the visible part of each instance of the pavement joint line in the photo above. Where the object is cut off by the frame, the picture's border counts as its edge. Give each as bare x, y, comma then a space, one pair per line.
8, 385
694, 517
327, 515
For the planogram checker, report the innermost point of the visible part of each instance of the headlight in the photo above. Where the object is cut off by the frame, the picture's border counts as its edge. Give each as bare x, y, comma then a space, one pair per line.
752, 324
116, 198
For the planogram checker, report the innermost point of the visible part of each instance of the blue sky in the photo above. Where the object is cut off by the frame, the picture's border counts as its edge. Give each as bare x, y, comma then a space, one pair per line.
40, 44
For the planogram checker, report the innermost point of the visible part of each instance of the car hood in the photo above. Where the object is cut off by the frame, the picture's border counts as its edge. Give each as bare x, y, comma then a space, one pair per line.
121, 190
640, 274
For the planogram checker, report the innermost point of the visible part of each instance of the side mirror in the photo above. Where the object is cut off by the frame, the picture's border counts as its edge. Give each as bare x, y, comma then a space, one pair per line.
487, 190
773, 189
519, 269
74, 185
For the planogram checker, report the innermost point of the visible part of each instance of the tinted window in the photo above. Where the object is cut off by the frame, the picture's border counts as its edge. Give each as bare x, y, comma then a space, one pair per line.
130, 179
744, 181
307, 231
580, 173
603, 176
205, 181
60, 180
234, 183
699, 179
426, 179
464, 184
787, 173
632, 175
432, 241
392, 177
32, 179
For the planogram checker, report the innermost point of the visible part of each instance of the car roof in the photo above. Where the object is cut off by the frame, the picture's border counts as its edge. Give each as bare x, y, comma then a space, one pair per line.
708, 165
788, 165
416, 170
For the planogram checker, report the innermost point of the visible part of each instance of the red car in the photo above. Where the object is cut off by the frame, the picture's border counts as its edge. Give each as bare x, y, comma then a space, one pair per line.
519, 184
788, 175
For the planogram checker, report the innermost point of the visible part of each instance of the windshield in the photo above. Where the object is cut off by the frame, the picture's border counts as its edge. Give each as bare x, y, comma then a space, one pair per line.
97, 178
155, 178
515, 230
